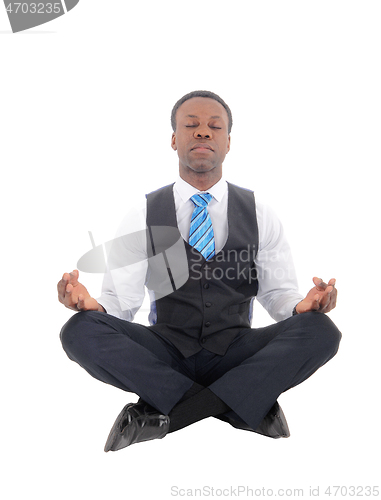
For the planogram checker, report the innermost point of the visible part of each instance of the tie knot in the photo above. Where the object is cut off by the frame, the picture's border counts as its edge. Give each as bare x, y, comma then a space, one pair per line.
202, 199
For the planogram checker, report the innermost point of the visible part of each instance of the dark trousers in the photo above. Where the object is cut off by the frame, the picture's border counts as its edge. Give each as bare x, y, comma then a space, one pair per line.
259, 365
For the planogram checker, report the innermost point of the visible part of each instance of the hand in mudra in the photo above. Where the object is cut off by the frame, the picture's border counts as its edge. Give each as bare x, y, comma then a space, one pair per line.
322, 297
73, 295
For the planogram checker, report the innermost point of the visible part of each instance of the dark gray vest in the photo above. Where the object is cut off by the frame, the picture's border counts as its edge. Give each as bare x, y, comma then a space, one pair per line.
209, 302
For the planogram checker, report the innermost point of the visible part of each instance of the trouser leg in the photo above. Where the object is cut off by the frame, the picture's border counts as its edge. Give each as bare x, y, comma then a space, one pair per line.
128, 356
283, 356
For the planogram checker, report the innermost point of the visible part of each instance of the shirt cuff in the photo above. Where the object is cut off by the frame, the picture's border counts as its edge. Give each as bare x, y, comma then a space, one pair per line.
294, 312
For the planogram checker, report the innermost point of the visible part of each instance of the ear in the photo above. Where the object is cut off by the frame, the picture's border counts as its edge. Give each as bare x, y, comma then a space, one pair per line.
173, 142
228, 147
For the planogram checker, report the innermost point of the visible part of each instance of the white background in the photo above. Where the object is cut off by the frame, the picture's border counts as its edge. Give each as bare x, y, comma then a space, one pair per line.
85, 131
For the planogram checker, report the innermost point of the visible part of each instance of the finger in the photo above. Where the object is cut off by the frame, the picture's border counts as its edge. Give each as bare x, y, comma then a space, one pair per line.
326, 297
325, 305
332, 282
319, 283
61, 286
70, 299
63, 281
329, 302
74, 277
332, 302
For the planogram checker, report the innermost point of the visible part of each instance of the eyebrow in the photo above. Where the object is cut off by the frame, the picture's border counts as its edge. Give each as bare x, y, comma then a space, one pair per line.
195, 116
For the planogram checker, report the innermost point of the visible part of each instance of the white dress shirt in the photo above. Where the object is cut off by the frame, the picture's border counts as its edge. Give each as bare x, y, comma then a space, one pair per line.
123, 288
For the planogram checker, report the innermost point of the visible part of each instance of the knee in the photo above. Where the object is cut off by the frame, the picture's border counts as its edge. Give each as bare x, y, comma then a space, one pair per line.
325, 333
75, 329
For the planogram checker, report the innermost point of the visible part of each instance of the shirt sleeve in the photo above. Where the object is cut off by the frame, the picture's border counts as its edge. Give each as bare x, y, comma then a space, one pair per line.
278, 287
123, 288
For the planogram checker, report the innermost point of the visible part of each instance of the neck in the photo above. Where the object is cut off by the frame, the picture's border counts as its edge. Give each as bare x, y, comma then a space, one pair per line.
201, 181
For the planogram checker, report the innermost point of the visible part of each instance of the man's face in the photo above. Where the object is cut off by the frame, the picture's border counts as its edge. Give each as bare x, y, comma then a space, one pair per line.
201, 138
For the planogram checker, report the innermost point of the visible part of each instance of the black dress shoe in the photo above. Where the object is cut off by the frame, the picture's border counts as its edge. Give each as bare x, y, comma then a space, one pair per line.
137, 422
274, 424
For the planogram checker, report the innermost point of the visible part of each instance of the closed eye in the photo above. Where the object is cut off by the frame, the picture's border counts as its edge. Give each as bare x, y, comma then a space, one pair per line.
192, 126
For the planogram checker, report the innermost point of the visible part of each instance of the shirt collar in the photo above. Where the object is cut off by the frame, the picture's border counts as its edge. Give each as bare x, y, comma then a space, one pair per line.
186, 191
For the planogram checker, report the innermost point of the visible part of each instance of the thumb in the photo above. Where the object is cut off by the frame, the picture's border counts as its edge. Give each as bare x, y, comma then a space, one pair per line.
81, 302
316, 302
87, 303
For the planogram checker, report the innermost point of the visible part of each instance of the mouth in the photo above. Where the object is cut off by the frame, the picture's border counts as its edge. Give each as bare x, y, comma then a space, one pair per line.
201, 147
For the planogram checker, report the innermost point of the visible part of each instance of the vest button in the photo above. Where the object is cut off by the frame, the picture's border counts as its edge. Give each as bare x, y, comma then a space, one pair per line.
207, 323
206, 285
208, 304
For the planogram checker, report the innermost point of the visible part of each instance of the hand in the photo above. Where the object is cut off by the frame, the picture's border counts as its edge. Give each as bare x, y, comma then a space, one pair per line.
74, 295
321, 298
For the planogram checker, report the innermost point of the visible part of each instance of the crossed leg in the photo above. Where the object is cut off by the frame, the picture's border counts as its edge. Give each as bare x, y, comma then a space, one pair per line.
259, 365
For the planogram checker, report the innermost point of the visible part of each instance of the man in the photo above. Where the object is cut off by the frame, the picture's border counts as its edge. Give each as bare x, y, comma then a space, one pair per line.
206, 251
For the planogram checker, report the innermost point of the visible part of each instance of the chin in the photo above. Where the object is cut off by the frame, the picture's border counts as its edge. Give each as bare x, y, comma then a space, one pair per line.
202, 169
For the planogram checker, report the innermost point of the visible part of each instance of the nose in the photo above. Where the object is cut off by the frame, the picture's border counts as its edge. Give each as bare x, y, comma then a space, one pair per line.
202, 132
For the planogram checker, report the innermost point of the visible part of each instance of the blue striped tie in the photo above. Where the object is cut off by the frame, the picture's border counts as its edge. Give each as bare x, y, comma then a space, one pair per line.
201, 235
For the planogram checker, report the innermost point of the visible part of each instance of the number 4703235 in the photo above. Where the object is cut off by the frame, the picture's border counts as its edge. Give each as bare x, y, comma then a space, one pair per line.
34, 8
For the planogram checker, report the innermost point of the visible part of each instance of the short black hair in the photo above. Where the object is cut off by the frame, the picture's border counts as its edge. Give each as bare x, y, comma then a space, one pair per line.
201, 93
